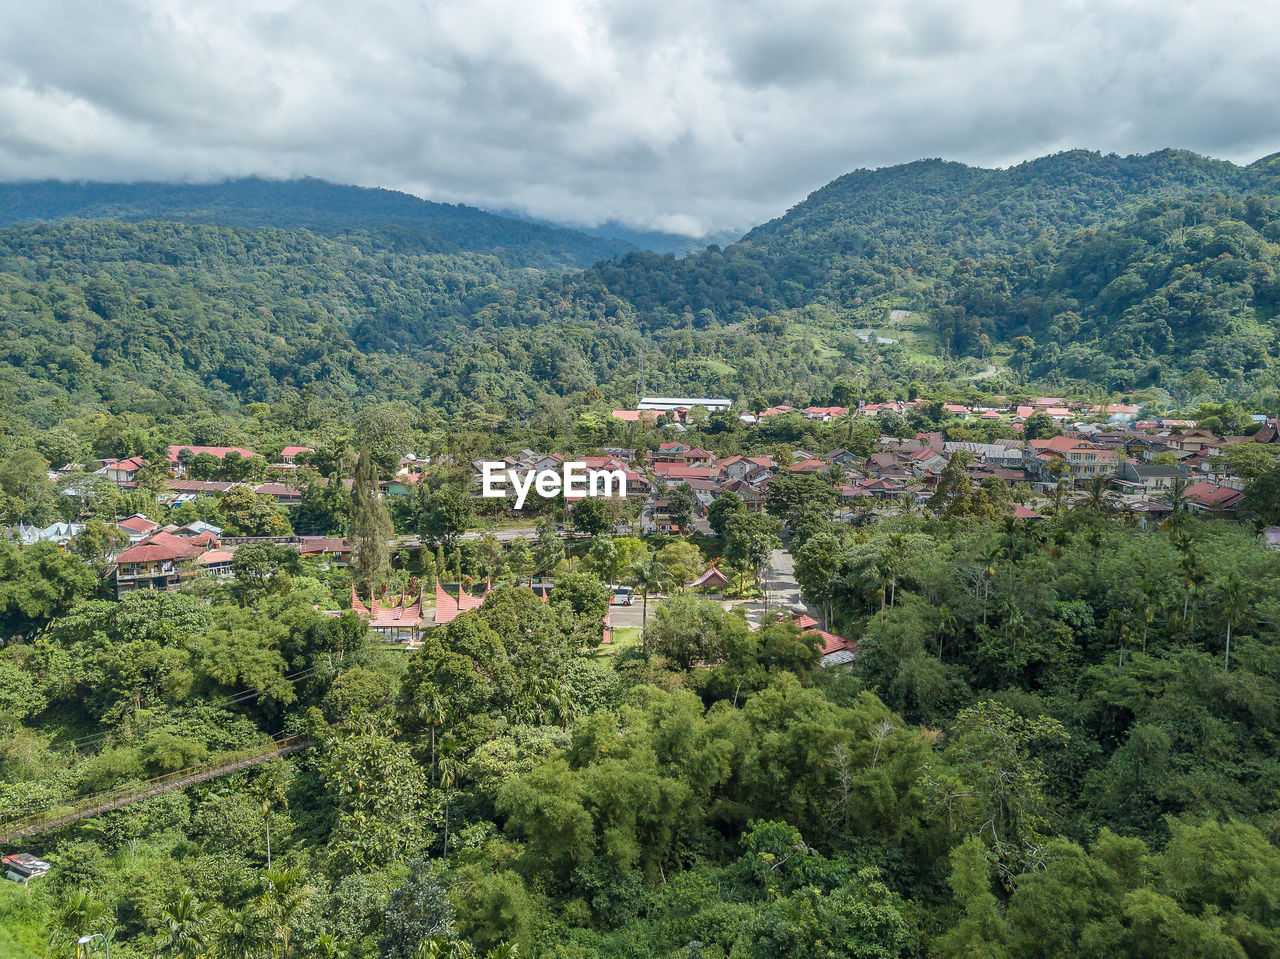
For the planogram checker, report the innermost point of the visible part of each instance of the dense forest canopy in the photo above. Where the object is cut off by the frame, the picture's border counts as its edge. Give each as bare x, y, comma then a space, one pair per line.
1118, 272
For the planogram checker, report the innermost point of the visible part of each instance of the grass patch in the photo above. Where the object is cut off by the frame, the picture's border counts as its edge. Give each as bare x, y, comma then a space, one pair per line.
624, 638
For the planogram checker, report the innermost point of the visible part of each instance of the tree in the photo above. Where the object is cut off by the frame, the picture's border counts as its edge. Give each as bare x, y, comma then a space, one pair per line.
648, 576
790, 493
184, 924
370, 525
520, 559
593, 515
379, 797
248, 514
98, 541
995, 785
262, 568
583, 594
681, 505
603, 557
750, 540
980, 932
242, 934
689, 629
724, 506
1040, 426
548, 548
818, 568
419, 910
37, 584
24, 475
683, 560
444, 514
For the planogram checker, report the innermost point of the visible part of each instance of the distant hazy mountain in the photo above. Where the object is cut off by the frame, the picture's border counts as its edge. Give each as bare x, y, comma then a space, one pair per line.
315, 205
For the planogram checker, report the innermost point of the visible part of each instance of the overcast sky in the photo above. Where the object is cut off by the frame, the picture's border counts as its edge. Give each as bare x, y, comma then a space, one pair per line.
679, 115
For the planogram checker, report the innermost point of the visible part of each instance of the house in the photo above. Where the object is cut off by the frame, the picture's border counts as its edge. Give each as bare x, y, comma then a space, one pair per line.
283, 495
698, 457
704, 491
1271, 537
22, 866
216, 562
335, 550
662, 522
669, 453
1007, 454
824, 414
179, 456
740, 467
1084, 460
198, 527
927, 460
777, 411
289, 455
835, 650
1145, 478
647, 417
137, 527
672, 475
810, 466
161, 561
752, 499
1208, 497
449, 607
123, 472
1192, 441
712, 579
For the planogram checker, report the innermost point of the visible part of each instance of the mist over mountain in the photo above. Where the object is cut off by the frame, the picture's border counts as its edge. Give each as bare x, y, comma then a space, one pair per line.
1118, 272
313, 205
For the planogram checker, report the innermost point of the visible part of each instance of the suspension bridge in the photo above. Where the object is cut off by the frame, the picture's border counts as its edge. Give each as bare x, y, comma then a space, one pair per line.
98, 803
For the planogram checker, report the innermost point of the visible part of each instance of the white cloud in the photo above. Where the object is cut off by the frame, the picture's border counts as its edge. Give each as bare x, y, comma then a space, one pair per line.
678, 115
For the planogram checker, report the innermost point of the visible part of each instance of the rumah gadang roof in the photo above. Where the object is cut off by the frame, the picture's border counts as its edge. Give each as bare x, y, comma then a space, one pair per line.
449, 607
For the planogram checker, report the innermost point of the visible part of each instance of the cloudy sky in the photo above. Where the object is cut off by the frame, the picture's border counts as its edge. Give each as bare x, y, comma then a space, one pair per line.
684, 115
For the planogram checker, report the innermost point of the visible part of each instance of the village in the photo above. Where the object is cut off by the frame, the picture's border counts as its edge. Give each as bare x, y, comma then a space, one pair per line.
1143, 470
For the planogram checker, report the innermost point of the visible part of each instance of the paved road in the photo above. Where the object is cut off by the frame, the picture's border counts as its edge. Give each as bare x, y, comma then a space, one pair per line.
783, 590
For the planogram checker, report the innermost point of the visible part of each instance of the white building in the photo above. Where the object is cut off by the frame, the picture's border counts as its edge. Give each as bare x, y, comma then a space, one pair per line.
663, 404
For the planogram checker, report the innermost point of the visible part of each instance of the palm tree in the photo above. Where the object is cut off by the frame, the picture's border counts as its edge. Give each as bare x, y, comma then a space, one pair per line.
1098, 500
242, 934
79, 914
1232, 594
183, 922
432, 711
649, 576
327, 946
1148, 588
449, 767
285, 895
947, 622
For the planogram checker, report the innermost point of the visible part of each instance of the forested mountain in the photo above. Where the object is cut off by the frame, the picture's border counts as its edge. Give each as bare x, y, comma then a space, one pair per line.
404, 221
1117, 272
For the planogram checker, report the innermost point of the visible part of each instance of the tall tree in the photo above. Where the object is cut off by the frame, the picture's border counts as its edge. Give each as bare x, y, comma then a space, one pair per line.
370, 524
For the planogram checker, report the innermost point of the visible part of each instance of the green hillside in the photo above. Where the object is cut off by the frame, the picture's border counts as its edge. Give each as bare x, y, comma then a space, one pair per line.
1117, 272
